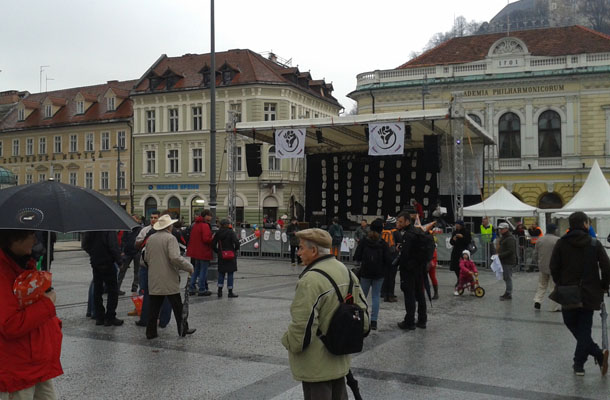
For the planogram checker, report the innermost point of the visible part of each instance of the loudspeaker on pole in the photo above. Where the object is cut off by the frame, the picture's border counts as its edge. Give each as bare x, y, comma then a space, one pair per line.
253, 159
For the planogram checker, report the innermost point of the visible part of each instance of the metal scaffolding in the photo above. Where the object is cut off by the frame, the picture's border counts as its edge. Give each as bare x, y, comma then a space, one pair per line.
232, 164
457, 133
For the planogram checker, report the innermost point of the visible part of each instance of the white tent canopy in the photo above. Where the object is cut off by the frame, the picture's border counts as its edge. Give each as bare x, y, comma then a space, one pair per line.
500, 204
593, 197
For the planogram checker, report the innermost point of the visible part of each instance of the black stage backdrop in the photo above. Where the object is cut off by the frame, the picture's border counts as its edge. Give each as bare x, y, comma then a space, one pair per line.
346, 184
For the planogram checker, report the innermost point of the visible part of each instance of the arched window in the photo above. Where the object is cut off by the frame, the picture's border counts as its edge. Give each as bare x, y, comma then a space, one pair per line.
550, 200
549, 134
476, 119
509, 136
150, 205
173, 206
274, 163
197, 206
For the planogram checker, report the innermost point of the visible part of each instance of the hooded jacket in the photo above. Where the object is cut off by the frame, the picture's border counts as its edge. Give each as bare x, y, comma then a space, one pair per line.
574, 253
30, 337
200, 241
312, 309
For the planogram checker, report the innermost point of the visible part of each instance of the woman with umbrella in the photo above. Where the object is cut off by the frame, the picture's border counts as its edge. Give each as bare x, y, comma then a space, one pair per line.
30, 335
226, 244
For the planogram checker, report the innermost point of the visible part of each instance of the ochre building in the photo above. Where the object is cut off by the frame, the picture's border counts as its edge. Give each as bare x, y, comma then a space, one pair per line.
543, 94
80, 136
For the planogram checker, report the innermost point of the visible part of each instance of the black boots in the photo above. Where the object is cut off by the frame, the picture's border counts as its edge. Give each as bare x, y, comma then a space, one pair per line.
231, 294
435, 296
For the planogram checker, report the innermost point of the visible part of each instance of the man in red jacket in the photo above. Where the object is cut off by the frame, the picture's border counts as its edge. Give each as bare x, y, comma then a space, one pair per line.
199, 249
30, 336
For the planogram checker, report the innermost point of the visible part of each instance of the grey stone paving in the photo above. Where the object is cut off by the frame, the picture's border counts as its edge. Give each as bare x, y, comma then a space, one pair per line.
472, 349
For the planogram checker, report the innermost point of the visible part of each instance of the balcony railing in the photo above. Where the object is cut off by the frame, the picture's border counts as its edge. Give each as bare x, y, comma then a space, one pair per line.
486, 66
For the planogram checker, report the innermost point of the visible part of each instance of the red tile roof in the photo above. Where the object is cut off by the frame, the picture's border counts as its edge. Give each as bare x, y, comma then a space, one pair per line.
250, 68
66, 115
549, 42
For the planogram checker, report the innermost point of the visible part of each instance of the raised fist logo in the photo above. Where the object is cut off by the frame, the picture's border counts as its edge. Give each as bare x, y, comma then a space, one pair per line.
387, 136
291, 140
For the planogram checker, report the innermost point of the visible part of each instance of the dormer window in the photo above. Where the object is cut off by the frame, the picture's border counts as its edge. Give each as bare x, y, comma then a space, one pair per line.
227, 77
80, 107
21, 114
48, 111
110, 104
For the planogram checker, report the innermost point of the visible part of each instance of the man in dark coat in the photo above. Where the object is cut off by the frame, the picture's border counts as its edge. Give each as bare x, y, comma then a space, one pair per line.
291, 231
507, 251
104, 253
577, 259
460, 240
412, 273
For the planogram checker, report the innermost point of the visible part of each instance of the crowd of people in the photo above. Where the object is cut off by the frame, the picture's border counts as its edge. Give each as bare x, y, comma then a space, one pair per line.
575, 260
158, 252
574, 267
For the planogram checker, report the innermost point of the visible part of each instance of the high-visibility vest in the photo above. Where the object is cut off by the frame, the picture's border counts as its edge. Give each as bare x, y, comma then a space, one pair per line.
487, 233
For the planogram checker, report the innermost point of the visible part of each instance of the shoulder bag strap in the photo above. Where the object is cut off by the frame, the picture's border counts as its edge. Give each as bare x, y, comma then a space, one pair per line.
337, 291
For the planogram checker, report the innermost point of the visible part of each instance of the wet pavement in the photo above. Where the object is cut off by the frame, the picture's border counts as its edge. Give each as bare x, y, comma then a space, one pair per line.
472, 349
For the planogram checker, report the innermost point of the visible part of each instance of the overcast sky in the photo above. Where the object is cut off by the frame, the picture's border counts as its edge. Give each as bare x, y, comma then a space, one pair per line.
91, 42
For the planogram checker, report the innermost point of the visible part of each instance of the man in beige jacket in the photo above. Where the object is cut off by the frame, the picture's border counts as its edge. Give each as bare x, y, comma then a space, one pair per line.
164, 262
542, 253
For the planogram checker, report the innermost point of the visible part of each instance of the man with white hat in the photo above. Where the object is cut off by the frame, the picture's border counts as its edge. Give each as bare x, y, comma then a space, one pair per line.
164, 262
507, 252
315, 302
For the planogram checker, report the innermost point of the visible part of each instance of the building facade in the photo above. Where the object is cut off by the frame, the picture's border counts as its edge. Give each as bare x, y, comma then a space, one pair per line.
171, 121
80, 136
543, 94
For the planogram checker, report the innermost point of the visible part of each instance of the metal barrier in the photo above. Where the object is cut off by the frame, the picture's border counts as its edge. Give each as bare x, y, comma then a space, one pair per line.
269, 246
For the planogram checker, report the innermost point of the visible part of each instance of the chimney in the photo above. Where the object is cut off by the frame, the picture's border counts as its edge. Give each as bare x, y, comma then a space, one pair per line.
272, 57
9, 97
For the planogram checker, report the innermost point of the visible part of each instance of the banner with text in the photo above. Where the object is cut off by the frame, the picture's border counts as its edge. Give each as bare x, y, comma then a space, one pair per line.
386, 139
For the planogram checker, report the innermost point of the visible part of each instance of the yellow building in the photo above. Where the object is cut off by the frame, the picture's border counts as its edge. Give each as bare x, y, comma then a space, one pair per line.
543, 94
80, 136
171, 104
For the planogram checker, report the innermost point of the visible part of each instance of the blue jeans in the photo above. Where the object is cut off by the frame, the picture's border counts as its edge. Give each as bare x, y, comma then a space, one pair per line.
201, 272
365, 284
221, 279
166, 309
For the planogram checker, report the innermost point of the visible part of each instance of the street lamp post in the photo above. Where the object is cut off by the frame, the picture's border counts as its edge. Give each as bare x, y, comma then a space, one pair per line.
212, 119
118, 173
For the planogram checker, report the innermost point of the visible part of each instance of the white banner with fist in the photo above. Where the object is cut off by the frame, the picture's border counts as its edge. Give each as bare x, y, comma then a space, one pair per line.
386, 139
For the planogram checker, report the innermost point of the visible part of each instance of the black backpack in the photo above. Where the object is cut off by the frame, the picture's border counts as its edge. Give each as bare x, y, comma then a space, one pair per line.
372, 256
345, 332
425, 247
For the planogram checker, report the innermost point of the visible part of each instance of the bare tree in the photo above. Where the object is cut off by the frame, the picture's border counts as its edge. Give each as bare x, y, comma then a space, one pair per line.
461, 27
597, 13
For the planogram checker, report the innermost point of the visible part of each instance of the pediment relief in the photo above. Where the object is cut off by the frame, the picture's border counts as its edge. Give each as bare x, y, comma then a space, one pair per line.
508, 46
73, 166
41, 168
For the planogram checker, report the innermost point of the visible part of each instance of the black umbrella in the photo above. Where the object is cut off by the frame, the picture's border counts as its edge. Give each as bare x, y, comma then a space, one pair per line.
185, 308
58, 207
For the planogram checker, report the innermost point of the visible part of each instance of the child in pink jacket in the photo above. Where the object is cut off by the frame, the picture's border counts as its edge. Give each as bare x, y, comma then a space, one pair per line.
467, 270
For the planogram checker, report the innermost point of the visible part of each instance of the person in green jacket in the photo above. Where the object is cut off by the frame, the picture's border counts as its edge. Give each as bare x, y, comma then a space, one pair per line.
315, 302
